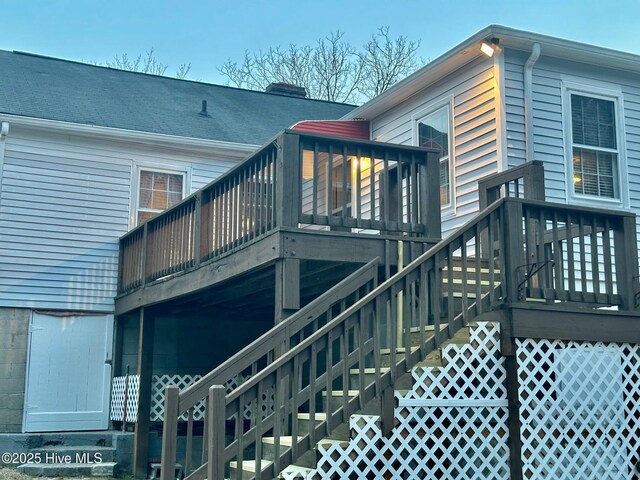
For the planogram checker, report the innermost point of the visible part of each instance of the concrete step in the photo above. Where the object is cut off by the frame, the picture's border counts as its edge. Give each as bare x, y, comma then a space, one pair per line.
104, 469
77, 454
78, 439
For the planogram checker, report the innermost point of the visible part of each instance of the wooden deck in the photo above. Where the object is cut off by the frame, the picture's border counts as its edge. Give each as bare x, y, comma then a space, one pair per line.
292, 226
300, 203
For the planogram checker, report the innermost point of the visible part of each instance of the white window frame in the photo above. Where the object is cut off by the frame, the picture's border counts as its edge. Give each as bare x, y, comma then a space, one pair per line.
135, 190
605, 92
448, 210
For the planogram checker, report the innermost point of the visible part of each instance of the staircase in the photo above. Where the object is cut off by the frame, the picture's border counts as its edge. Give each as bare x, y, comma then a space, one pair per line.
441, 409
345, 357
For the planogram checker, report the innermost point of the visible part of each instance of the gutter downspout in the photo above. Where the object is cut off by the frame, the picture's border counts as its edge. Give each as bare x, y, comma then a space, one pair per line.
4, 131
528, 100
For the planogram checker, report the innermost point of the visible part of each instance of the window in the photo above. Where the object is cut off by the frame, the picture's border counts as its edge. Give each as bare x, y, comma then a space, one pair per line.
596, 165
433, 132
157, 192
594, 147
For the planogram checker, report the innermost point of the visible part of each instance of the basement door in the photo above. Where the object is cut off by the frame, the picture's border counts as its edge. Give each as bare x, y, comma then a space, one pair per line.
69, 373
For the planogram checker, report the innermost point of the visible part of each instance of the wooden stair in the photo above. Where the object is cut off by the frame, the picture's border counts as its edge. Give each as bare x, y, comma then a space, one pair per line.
340, 438
306, 465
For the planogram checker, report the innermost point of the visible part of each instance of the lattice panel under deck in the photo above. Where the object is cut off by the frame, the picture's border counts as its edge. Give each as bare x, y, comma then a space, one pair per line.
580, 409
117, 398
451, 425
160, 382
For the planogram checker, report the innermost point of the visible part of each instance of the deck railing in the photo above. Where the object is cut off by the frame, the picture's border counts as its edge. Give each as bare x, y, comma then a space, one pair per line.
433, 304
297, 180
523, 181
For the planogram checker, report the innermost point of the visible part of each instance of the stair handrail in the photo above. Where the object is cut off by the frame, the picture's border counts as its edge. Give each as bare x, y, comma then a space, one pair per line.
512, 229
367, 299
277, 337
394, 284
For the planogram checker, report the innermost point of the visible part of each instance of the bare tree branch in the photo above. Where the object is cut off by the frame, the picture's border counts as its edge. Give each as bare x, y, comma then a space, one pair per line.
332, 69
148, 63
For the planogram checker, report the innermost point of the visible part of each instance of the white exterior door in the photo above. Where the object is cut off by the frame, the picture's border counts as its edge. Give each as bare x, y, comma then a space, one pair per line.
69, 373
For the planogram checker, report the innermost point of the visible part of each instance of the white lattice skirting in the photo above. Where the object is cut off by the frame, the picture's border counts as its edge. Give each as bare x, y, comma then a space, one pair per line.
117, 398
580, 409
451, 425
160, 383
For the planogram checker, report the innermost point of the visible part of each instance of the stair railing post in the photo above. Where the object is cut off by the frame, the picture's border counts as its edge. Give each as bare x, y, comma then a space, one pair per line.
512, 249
170, 434
215, 423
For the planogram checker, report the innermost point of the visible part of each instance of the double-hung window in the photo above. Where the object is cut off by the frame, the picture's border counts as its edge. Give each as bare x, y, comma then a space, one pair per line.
595, 149
434, 132
157, 191
596, 168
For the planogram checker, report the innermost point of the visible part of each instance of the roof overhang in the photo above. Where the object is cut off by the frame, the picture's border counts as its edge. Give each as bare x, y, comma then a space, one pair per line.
469, 50
231, 150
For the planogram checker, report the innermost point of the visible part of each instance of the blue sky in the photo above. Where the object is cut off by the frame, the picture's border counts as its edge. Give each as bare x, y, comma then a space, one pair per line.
206, 33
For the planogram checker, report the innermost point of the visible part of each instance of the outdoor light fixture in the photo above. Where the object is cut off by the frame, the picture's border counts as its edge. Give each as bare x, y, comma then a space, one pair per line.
488, 47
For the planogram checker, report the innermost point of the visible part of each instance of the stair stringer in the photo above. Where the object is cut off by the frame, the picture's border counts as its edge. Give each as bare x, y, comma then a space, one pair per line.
452, 423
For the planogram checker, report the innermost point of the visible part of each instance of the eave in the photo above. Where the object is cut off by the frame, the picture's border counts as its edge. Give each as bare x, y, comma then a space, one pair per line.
232, 150
469, 50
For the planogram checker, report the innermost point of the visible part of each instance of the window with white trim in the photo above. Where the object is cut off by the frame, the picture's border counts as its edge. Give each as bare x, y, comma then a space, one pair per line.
157, 191
594, 146
434, 132
594, 132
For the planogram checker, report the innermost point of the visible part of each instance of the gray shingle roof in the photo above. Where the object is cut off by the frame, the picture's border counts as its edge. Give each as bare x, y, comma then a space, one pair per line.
54, 89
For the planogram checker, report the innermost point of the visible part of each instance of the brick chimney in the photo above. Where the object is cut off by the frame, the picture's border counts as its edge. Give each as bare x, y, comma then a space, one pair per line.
288, 89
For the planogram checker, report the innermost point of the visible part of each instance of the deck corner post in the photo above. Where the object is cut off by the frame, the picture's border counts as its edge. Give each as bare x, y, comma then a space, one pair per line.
169, 433
625, 238
216, 425
288, 200
533, 181
430, 197
145, 371
512, 249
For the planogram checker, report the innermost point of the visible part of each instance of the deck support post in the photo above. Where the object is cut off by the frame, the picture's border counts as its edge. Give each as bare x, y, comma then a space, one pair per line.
508, 347
287, 299
145, 370
116, 358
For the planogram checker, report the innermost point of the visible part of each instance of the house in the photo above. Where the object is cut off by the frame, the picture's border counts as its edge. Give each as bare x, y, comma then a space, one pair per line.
504, 348
86, 154
453, 297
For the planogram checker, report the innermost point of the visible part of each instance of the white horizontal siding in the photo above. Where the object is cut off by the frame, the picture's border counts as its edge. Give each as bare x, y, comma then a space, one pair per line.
549, 135
473, 89
64, 203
